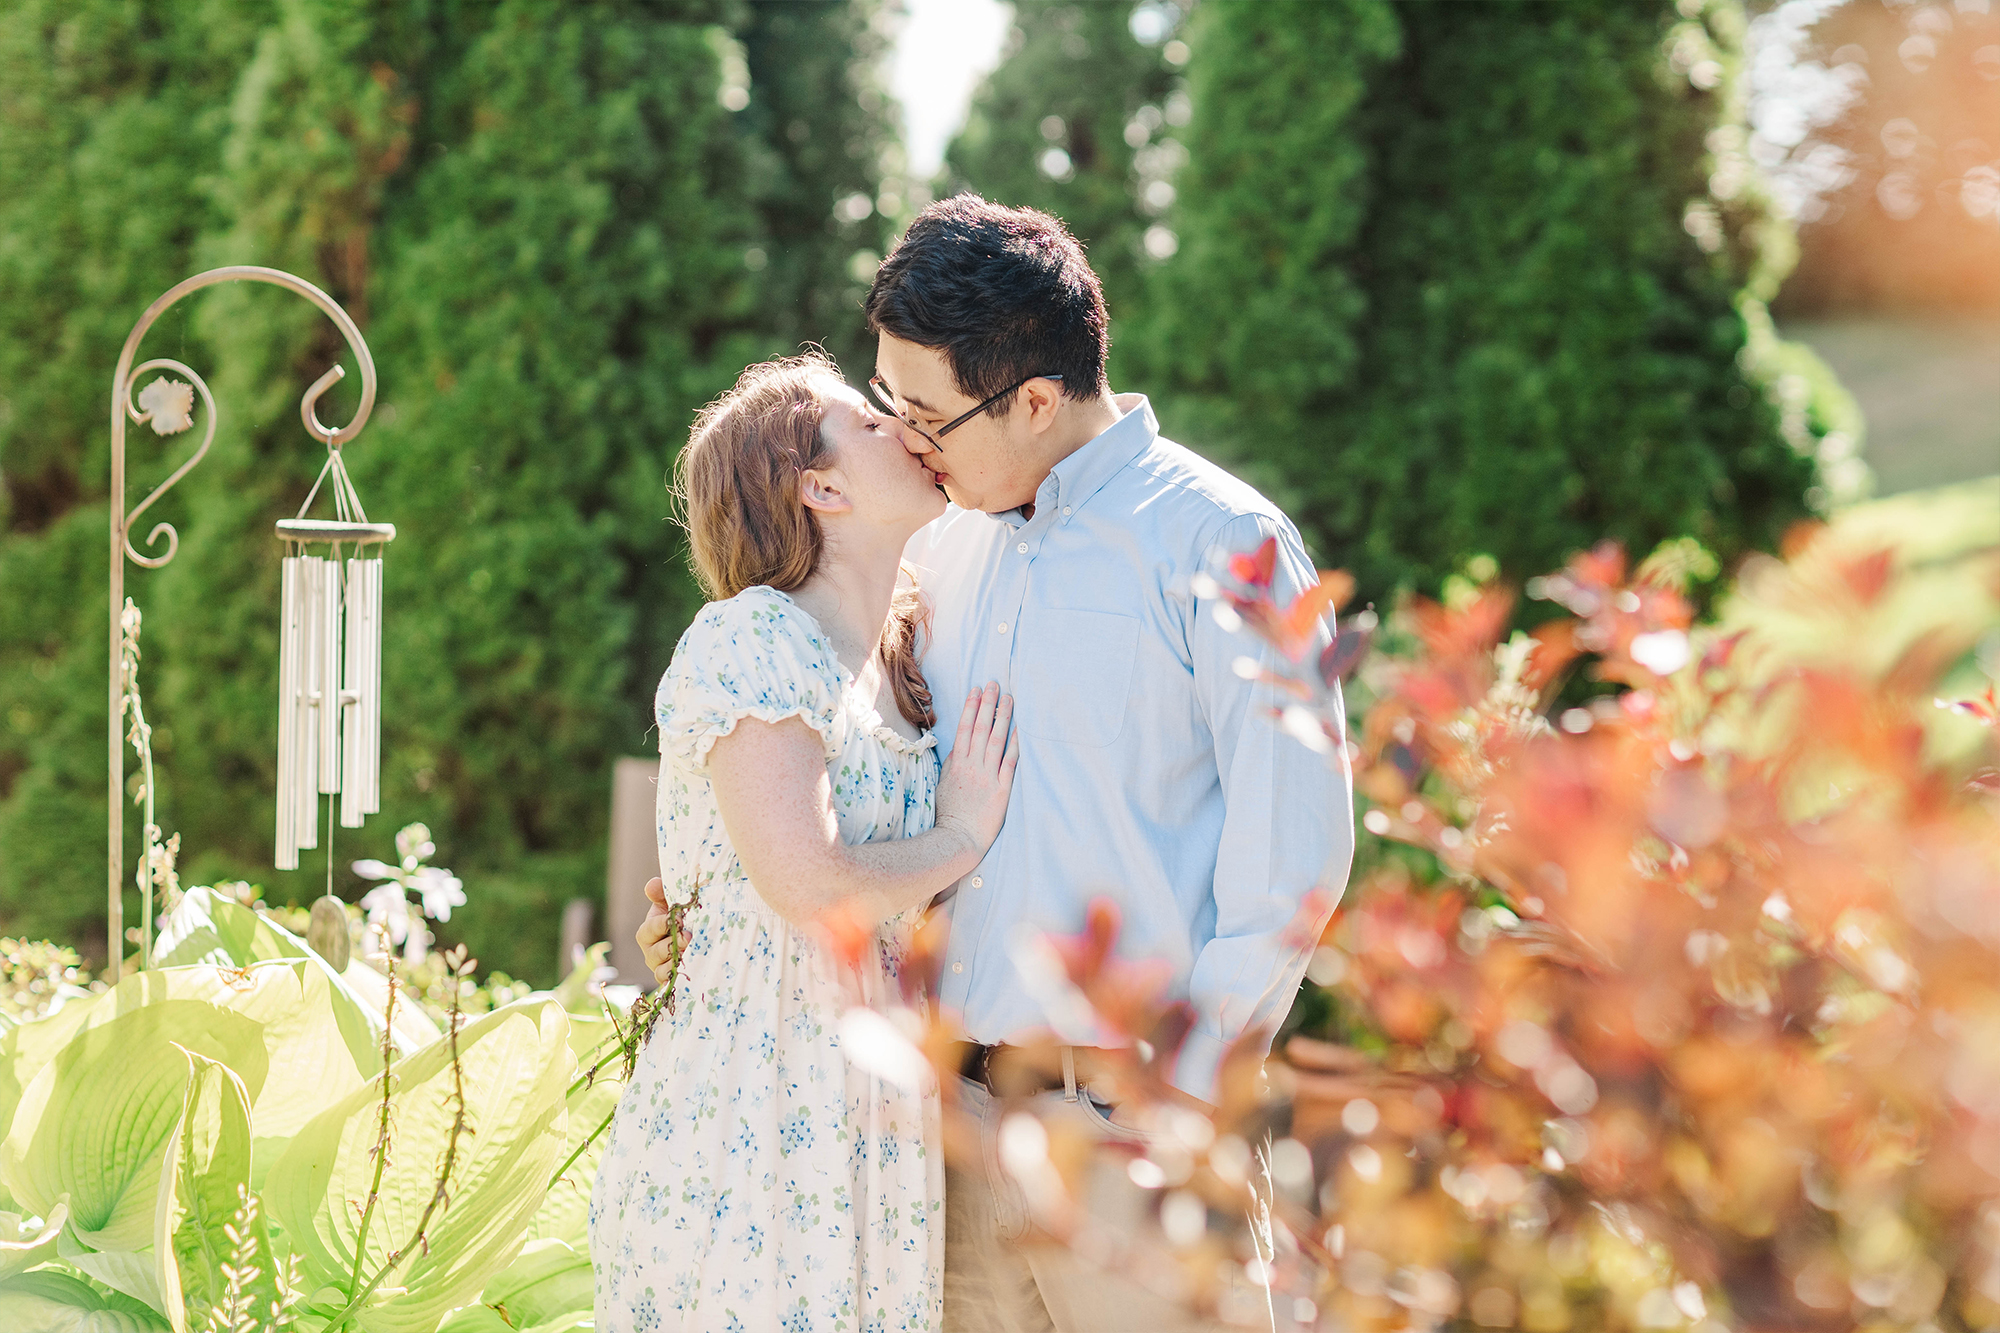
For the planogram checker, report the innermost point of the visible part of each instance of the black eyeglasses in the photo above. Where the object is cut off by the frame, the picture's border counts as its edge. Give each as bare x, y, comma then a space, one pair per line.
887, 398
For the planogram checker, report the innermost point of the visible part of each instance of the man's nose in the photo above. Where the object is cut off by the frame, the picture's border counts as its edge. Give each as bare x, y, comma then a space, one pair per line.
915, 440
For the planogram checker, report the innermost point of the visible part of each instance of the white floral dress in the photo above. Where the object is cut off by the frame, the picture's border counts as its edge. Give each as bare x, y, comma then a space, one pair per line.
752, 1180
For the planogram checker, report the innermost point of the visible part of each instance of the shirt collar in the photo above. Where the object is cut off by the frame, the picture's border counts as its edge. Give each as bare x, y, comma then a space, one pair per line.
1076, 478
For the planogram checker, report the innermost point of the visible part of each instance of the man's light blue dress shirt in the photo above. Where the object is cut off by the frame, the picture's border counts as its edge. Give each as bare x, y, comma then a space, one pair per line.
1151, 772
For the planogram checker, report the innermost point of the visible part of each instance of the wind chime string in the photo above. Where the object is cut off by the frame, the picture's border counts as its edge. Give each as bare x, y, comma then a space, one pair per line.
346, 500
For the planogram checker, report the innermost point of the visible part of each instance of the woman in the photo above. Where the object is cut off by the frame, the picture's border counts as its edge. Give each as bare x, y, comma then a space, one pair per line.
752, 1179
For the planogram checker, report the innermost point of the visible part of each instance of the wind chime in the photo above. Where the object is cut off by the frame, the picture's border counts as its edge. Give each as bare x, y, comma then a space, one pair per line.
329, 665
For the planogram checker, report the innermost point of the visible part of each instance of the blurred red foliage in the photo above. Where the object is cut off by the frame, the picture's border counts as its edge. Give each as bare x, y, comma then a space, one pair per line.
1679, 1008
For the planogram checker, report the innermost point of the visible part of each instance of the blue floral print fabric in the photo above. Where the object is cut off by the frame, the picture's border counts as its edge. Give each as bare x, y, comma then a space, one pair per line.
752, 1179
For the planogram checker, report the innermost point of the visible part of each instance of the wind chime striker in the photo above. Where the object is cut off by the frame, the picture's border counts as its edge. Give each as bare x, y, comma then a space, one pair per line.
329, 664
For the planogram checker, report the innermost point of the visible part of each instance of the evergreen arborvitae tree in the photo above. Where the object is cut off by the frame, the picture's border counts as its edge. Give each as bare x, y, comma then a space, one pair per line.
562, 286
546, 220
1485, 278
110, 119
820, 119
1254, 326
1081, 121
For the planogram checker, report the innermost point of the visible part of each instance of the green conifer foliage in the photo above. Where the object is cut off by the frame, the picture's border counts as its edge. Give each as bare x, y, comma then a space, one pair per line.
111, 117
1255, 327
563, 285
321, 120
818, 127
1495, 288
1081, 120
543, 216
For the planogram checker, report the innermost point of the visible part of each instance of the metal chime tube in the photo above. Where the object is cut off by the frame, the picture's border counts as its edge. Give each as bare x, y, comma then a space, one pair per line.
354, 695
330, 678
329, 689
312, 660
371, 697
291, 622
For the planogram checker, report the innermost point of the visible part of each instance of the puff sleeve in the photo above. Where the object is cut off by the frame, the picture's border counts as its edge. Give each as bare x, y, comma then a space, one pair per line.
754, 655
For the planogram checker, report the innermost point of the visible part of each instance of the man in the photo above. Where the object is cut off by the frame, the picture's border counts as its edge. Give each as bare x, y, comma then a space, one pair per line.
1151, 773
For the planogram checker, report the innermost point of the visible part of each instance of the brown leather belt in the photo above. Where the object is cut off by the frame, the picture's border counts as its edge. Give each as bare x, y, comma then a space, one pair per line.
975, 1063
1004, 1071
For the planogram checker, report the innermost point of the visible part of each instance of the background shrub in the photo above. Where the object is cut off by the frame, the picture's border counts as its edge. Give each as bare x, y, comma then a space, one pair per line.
563, 228
1453, 279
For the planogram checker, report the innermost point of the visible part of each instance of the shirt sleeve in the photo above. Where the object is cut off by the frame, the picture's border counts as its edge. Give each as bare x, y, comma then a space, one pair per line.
751, 656
1288, 825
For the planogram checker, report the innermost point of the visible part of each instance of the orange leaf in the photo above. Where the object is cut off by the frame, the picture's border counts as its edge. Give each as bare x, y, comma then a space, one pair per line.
1295, 624
1866, 576
1256, 568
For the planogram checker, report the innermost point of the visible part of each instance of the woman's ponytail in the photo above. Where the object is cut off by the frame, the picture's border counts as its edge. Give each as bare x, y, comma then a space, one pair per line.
902, 651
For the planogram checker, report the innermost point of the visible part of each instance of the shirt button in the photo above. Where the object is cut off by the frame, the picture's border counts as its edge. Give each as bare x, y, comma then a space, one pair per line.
978, 881
1066, 511
958, 967
1002, 627
1022, 547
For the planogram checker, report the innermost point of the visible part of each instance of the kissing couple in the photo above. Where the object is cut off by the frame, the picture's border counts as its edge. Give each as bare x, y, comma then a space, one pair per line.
989, 537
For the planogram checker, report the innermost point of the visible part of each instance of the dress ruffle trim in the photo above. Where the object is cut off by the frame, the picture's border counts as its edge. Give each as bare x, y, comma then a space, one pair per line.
900, 743
705, 740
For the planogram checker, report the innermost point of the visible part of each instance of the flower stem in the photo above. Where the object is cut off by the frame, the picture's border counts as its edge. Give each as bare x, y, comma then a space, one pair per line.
602, 1125
381, 1132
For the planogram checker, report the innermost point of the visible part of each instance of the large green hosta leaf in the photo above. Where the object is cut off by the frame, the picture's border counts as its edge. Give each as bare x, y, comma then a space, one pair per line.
565, 1214
25, 1049
318, 1044
548, 1288
23, 1245
47, 1301
94, 1122
133, 1273
207, 928
516, 1066
413, 1028
319, 1041
203, 1198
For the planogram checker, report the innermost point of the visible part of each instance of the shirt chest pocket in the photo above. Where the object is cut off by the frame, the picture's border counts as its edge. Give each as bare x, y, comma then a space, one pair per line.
1075, 675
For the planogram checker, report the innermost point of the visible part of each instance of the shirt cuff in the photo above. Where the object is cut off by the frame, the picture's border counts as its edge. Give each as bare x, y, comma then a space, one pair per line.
1194, 1072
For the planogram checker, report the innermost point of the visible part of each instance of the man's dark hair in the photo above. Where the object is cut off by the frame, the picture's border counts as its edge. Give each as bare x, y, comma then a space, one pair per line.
1003, 293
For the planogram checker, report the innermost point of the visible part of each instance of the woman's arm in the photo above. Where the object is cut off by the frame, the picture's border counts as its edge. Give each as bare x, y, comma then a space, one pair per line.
776, 799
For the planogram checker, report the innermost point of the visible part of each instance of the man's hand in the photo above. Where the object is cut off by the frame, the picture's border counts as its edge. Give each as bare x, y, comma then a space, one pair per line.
1126, 1112
652, 932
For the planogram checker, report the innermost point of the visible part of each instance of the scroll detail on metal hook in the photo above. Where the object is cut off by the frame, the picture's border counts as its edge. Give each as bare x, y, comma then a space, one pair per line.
166, 405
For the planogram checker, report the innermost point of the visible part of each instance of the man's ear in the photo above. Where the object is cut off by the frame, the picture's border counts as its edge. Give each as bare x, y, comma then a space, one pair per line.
821, 490
1042, 398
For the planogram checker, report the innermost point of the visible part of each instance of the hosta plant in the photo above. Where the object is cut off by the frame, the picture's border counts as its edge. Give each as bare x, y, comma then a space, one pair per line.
244, 1138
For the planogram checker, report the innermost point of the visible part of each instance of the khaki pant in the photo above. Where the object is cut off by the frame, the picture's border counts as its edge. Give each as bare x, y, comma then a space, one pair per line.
994, 1282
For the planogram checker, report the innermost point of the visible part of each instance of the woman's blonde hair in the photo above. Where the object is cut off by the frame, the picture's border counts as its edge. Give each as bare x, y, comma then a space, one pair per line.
737, 481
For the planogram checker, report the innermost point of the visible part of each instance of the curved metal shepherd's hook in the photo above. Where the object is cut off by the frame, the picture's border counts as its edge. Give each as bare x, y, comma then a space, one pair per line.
167, 417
